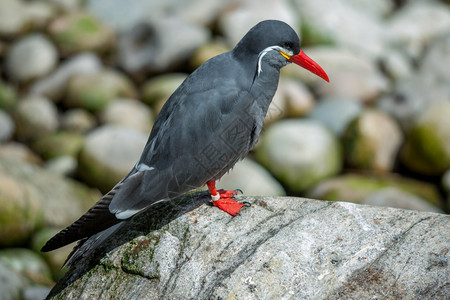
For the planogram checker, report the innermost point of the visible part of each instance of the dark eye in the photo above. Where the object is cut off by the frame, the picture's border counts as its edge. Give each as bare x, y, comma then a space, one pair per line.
288, 45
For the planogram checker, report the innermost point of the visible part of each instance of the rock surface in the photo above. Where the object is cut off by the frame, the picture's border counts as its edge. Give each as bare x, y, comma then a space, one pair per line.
299, 153
13, 17
427, 147
129, 113
21, 269
372, 141
8, 96
58, 200
31, 57
95, 91
336, 113
356, 188
7, 126
35, 117
106, 144
149, 45
280, 247
53, 86
394, 197
80, 31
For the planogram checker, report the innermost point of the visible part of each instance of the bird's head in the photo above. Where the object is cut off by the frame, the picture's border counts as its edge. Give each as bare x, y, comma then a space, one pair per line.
277, 36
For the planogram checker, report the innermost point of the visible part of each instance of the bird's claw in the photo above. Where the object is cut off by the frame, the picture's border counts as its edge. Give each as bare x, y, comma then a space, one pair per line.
225, 200
246, 204
227, 194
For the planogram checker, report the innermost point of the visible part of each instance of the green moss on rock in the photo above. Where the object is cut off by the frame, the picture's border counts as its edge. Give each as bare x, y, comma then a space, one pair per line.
80, 31
58, 144
94, 92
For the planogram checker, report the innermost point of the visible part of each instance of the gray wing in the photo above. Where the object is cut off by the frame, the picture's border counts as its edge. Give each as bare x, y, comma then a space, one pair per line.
199, 140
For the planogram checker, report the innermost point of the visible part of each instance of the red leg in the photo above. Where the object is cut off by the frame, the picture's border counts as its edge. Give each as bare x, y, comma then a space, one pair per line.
224, 199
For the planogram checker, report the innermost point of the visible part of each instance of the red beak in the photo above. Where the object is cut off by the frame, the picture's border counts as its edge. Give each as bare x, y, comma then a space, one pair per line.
304, 61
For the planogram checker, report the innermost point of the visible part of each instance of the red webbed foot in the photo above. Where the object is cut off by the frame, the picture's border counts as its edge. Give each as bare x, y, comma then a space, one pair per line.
229, 205
225, 199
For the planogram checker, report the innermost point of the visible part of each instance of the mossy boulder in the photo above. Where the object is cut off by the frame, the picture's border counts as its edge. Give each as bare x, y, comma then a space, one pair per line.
372, 141
427, 147
53, 200
95, 91
59, 144
159, 88
355, 188
80, 31
35, 117
300, 153
8, 96
108, 154
21, 211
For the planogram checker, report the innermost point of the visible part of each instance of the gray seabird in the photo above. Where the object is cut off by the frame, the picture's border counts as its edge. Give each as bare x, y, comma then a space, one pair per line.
210, 122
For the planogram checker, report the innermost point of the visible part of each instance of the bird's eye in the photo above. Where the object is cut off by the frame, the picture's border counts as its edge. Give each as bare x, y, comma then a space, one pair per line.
288, 45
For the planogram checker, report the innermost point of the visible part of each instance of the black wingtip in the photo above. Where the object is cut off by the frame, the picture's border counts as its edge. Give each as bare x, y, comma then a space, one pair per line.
45, 248
51, 244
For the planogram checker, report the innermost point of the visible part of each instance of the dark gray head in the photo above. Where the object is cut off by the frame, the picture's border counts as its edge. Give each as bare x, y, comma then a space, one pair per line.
269, 33
278, 43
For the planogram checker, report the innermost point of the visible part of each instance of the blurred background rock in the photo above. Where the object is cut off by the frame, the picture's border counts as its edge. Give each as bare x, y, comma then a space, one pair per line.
81, 83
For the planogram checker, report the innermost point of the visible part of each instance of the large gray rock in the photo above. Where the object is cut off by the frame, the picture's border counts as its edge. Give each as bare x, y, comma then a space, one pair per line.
21, 213
202, 12
26, 266
59, 144
299, 153
78, 120
35, 117
128, 113
394, 197
159, 88
79, 31
20, 152
10, 283
7, 126
13, 17
336, 113
292, 99
356, 188
95, 91
418, 23
54, 85
372, 141
278, 248
235, 22
427, 146
40, 13
46, 198
427, 85
159, 44
345, 23
31, 57
108, 154
8, 96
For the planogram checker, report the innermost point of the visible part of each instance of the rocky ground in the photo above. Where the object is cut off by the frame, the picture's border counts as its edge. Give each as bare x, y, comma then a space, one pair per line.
81, 83
279, 248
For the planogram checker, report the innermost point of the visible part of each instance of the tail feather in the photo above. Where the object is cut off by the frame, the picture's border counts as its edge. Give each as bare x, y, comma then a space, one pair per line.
96, 219
85, 246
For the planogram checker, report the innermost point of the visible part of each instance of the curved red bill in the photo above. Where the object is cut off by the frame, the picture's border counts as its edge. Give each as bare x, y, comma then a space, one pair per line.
304, 61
